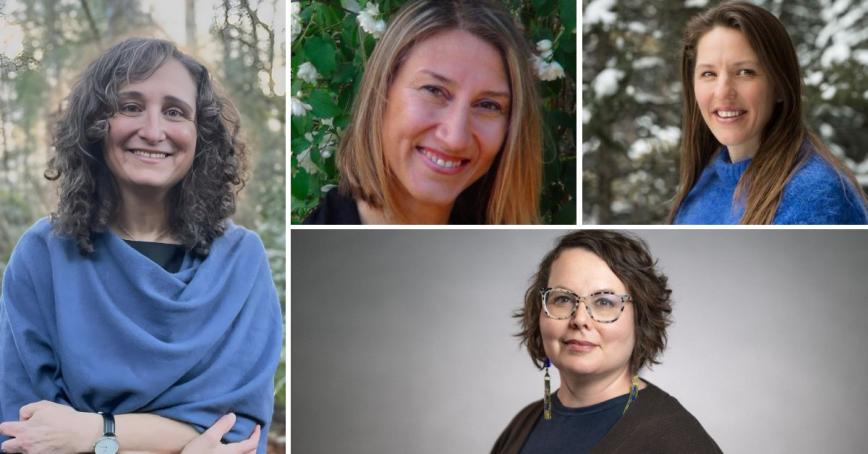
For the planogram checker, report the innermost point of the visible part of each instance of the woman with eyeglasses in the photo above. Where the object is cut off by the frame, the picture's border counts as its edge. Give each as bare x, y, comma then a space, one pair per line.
597, 310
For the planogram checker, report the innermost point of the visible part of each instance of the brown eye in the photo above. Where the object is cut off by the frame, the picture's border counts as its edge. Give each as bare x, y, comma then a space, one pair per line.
491, 105
434, 91
130, 108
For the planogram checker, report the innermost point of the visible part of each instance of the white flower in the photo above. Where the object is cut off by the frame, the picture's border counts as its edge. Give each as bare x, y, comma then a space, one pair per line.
542, 64
307, 72
299, 108
545, 49
306, 163
549, 71
369, 22
294, 20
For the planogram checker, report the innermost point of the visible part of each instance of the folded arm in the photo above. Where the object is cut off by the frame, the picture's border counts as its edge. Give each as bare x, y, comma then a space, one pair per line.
50, 427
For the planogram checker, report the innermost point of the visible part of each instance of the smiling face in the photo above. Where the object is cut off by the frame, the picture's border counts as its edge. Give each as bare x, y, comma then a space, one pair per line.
446, 118
733, 90
151, 140
580, 346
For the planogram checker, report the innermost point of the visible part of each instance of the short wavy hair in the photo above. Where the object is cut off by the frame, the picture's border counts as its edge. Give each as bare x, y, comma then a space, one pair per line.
509, 192
629, 259
89, 198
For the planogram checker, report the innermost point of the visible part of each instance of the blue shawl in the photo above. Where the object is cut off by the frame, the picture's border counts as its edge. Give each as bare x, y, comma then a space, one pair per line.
115, 332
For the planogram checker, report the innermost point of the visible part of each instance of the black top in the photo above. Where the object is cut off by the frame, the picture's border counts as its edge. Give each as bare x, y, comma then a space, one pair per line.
656, 423
335, 208
168, 256
574, 430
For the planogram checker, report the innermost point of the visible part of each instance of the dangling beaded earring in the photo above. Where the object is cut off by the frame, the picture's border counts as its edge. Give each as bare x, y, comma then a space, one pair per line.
634, 393
547, 397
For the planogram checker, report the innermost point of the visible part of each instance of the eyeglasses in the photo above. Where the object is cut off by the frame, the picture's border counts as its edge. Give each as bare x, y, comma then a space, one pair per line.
604, 307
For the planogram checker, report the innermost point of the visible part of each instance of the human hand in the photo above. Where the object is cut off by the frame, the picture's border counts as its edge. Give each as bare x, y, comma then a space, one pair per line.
48, 427
209, 442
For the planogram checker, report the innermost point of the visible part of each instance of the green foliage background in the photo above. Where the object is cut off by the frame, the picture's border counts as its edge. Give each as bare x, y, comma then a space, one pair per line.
331, 40
245, 53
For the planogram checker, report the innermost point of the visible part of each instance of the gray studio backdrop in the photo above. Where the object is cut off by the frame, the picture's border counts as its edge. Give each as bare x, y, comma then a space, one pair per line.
401, 341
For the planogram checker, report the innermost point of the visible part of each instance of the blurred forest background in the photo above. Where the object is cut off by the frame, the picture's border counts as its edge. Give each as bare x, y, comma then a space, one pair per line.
631, 91
45, 45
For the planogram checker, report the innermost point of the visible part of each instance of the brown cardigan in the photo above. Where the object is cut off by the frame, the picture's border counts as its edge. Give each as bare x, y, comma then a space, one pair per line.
655, 423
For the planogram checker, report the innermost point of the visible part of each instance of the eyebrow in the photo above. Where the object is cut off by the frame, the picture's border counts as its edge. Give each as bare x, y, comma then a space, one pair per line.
738, 63
448, 81
170, 98
595, 292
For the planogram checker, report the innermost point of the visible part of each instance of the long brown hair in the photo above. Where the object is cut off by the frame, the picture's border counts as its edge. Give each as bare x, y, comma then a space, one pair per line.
509, 192
780, 152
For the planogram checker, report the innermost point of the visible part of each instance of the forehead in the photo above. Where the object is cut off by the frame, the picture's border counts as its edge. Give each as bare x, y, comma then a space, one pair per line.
461, 57
724, 43
583, 272
171, 79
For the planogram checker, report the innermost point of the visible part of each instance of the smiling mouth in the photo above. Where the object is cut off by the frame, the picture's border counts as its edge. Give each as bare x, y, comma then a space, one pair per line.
149, 154
442, 161
727, 114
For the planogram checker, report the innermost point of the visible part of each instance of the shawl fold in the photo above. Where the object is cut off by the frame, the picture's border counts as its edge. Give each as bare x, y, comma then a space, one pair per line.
115, 332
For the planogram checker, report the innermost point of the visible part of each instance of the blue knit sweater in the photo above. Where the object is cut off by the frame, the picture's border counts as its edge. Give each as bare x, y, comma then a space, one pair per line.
815, 194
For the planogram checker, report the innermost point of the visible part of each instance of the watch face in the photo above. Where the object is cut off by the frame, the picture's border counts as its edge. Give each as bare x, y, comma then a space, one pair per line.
106, 445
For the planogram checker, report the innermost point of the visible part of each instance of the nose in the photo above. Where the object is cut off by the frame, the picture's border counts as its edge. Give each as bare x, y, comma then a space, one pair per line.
581, 317
454, 128
725, 87
151, 130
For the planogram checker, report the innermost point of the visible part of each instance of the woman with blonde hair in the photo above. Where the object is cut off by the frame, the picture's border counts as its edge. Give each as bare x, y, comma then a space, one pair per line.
748, 156
445, 126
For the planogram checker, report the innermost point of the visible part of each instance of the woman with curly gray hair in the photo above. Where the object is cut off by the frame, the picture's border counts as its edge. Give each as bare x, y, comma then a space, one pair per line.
602, 405
138, 313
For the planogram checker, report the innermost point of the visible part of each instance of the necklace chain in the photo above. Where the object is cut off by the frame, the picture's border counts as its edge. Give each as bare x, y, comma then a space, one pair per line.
131, 237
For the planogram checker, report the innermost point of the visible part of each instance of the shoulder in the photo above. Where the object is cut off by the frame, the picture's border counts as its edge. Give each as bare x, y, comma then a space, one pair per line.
516, 432
237, 238
31, 258
37, 239
335, 208
657, 422
818, 194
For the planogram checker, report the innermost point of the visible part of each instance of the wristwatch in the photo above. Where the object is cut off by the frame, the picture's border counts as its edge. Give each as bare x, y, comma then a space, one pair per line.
108, 443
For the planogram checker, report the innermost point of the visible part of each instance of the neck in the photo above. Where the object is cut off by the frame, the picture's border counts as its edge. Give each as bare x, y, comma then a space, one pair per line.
414, 213
143, 218
578, 391
741, 152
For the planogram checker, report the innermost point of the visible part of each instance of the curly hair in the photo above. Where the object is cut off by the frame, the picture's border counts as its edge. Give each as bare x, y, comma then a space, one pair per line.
629, 259
89, 198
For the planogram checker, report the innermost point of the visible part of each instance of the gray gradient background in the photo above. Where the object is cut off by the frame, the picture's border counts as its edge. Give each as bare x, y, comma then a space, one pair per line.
401, 340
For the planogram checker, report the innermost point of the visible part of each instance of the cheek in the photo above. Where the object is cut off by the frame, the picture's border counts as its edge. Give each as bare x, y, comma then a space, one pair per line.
703, 97
185, 136
549, 330
491, 136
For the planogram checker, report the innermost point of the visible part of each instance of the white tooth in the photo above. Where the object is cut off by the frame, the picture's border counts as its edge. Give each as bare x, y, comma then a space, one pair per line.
441, 163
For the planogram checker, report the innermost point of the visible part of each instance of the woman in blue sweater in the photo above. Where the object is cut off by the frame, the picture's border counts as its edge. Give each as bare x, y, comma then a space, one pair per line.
747, 155
138, 314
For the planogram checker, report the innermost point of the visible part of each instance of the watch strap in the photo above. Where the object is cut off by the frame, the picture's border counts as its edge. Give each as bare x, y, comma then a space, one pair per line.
108, 424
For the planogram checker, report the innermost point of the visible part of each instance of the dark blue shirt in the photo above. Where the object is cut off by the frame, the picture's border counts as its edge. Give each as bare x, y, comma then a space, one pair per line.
574, 430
